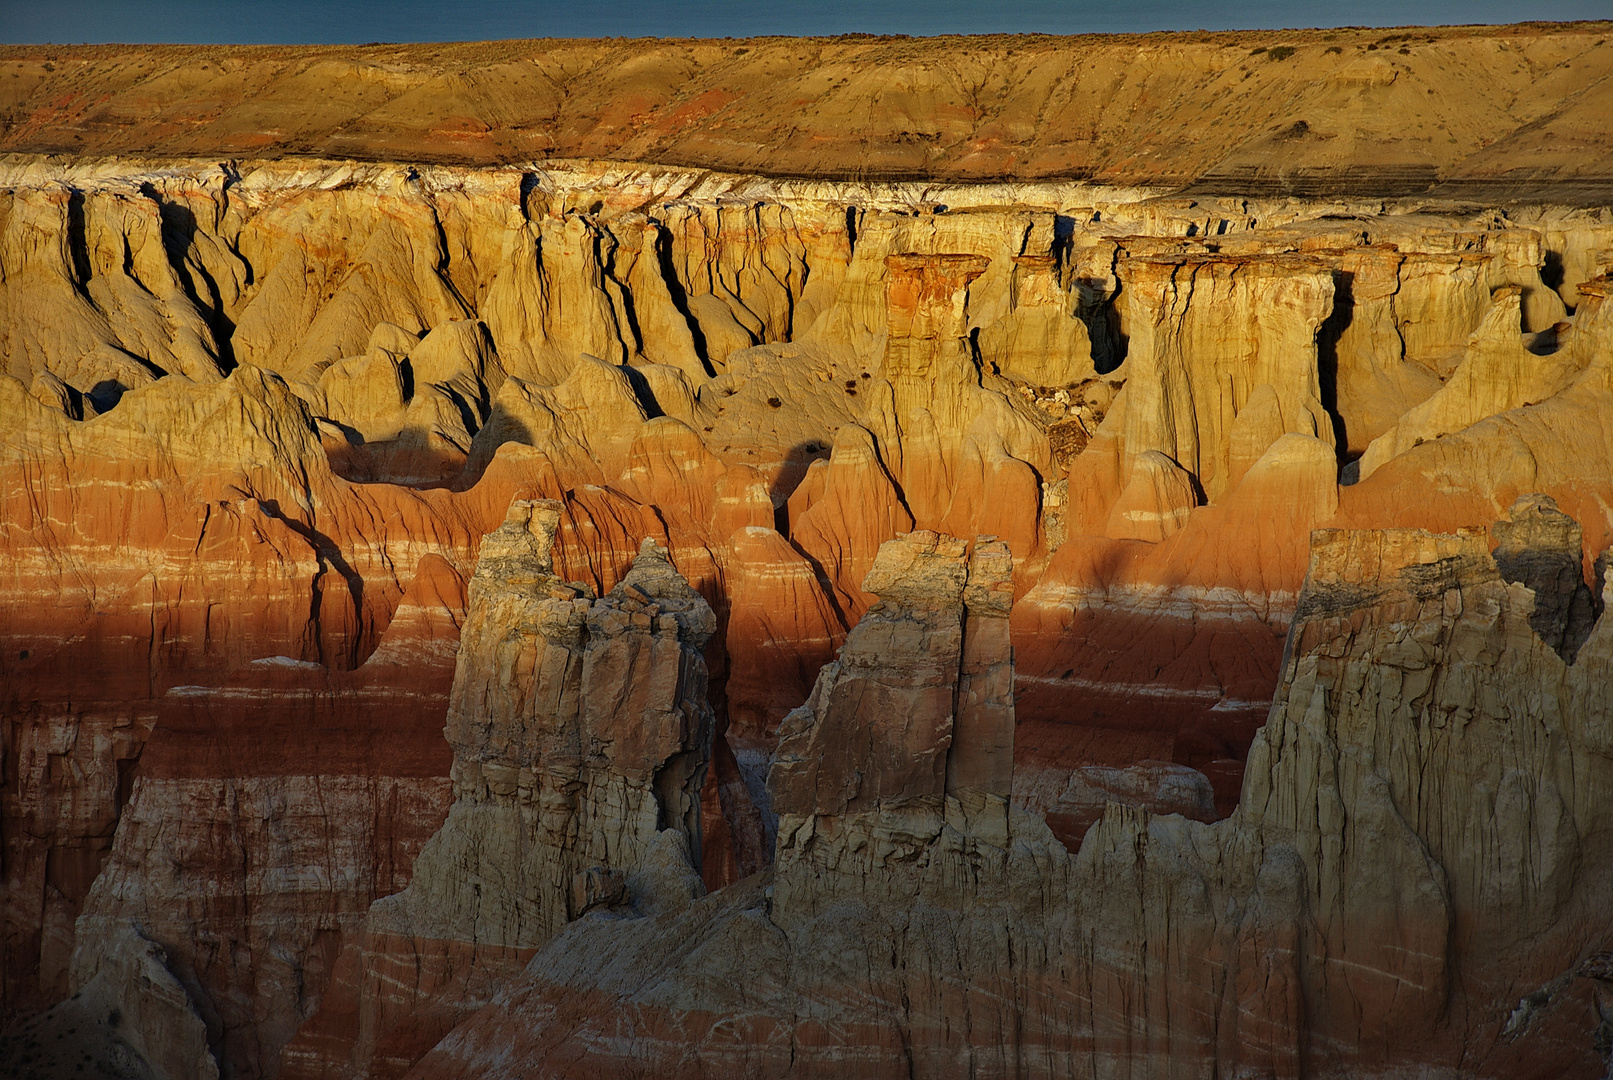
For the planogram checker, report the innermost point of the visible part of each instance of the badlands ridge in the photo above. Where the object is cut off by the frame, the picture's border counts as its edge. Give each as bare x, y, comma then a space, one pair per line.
1008, 558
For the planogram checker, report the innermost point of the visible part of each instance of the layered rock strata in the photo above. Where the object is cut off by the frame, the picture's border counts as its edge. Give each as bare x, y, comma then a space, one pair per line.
581, 738
1238, 112
1410, 880
310, 389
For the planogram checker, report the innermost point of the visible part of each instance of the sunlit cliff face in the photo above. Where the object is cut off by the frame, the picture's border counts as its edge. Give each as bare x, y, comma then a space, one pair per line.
602, 619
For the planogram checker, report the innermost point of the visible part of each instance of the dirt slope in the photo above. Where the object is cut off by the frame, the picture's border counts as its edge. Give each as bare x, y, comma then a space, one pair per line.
1499, 110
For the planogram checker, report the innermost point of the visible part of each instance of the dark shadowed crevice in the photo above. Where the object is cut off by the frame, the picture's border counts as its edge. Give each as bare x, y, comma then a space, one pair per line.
330, 558
77, 244
1109, 340
1327, 354
1539, 547
178, 231
1552, 273
680, 297
643, 392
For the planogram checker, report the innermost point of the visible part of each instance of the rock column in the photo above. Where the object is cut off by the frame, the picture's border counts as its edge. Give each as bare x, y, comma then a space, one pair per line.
581, 736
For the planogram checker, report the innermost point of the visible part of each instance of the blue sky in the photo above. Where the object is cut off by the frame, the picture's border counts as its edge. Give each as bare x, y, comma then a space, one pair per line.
358, 21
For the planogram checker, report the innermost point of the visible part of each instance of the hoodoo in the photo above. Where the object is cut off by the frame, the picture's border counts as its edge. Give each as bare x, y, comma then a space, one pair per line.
789, 558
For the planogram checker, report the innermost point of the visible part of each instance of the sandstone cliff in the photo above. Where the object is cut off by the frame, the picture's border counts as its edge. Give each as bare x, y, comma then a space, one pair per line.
261, 416
581, 737
1410, 881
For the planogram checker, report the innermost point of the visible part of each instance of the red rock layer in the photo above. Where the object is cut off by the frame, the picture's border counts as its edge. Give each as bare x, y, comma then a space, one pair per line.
268, 415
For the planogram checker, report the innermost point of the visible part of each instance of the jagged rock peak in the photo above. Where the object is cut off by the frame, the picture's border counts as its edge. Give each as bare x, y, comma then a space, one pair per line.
582, 734
920, 568
522, 548
919, 704
654, 588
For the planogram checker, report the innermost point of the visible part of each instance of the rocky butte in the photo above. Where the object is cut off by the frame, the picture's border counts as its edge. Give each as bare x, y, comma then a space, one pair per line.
1005, 557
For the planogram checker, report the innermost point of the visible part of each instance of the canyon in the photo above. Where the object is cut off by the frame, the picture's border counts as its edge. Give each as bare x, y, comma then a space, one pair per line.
1034, 557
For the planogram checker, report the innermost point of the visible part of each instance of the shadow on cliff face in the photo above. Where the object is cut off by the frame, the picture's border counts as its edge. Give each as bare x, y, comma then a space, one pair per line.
416, 458
1114, 686
1117, 709
179, 231
1107, 330
643, 392
1552, 271
1546, 342
1540, 547
1327, 352
330, 557
796, 463
680, 297
105, 395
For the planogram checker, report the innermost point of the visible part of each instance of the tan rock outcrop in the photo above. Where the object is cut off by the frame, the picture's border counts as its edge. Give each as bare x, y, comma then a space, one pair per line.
879, 724
1558, 446
1205, 334
1378, 374
91, 295
1040, 340
548, 304
849, 516
1272, 943
308, 308
581, 738
1155, 502
1496, 374
1540, 547
772, 378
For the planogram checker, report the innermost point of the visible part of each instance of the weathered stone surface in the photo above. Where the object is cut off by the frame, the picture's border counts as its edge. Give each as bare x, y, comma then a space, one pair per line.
130, 1016
878, 724
1540, 547
1407, 862
781, 630
1207, 332
1162, 787
581, 738
1497, 374
265, 816
235, 593
1156, 501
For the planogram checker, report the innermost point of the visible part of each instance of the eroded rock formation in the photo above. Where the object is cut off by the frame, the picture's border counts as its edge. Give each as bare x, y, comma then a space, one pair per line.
875, 665
581, 737
1419, 804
